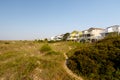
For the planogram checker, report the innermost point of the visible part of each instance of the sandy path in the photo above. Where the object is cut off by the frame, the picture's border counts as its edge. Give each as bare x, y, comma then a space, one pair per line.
69, 71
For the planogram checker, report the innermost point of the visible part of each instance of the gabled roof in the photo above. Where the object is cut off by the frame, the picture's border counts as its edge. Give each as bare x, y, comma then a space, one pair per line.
95, 28
90, 29
75, 32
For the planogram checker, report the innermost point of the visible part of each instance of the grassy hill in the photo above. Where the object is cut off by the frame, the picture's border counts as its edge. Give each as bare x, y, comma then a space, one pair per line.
32, 60
29, 60
97, 61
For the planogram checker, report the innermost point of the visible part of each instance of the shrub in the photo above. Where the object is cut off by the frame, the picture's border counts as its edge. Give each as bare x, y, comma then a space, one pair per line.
45, 48
7, 42
101, 61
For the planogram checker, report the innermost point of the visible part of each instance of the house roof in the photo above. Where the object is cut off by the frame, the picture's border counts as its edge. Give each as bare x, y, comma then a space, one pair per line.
75, 32
95, 28
90, 29
113, 26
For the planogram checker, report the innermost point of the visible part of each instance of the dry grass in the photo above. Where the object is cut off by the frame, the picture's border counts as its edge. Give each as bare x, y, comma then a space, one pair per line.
23, 60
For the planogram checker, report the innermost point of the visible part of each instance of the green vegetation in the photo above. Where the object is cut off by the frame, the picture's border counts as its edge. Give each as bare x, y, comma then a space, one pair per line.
97, 61
45, 48
24, 60
32, 60
14, 65
65, 36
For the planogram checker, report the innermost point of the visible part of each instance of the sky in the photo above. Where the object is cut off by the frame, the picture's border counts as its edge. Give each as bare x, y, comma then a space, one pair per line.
38, 19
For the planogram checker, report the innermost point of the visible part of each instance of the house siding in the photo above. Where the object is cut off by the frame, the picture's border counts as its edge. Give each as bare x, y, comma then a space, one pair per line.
92, 33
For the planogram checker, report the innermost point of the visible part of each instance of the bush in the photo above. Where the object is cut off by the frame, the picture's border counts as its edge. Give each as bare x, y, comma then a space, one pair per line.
101, 61
7, 42
45, 48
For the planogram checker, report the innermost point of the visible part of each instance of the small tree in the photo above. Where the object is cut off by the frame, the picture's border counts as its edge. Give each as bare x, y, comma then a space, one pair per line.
45, 40
65, 36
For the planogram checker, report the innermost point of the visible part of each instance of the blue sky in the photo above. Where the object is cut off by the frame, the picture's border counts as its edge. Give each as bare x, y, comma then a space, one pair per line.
36, 19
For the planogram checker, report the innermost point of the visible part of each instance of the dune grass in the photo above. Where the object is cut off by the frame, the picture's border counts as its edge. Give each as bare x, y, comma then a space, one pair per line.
24, 60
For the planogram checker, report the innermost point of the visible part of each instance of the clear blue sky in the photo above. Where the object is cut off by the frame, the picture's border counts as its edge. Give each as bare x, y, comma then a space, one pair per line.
33, 19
